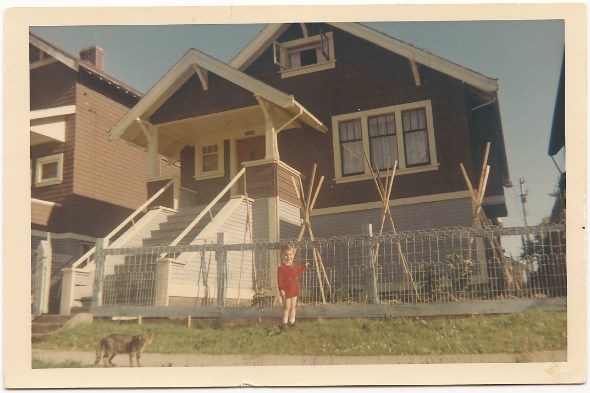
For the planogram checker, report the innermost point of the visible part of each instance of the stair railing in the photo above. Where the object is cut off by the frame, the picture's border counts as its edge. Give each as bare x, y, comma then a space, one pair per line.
208, 208
90, 254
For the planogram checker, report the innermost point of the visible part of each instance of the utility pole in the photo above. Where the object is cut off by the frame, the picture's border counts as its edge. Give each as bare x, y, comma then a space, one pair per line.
523, 196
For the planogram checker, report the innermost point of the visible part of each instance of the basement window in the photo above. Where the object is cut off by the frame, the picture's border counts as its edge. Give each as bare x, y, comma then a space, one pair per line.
209, 161
49, 170
305, 55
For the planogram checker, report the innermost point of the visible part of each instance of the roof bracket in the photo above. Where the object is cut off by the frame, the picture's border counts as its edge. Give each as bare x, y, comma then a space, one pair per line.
203, 76
415, 72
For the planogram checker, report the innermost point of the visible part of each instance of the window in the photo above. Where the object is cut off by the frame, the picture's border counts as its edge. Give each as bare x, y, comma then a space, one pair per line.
402, 133
209, 161
49, 170
304, 55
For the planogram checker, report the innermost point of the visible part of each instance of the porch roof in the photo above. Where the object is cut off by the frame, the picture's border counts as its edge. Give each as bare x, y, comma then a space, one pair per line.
194, 62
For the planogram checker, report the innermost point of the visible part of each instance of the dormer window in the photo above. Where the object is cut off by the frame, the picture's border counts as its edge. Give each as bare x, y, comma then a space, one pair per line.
305, 55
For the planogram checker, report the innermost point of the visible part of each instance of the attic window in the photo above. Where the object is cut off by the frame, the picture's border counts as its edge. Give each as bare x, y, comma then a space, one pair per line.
305, 55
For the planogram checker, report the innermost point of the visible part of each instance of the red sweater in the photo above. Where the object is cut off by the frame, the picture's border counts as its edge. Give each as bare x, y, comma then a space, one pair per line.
288, 278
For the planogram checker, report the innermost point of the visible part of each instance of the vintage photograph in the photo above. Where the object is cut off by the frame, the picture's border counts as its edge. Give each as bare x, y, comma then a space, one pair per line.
350, 193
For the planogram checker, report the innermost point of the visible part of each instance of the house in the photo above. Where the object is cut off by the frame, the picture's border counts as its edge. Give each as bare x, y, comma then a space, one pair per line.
82, 185
556, 144
340, 96
329, 93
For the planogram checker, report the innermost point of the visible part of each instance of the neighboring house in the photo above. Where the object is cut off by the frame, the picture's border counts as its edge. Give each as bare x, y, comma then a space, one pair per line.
298, 95
82, 185
556, 144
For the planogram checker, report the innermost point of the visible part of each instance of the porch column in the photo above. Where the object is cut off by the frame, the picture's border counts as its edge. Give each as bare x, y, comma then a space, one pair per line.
272, 146
153, 158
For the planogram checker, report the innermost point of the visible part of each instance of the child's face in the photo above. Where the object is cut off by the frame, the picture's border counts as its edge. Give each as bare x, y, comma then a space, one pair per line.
288, 256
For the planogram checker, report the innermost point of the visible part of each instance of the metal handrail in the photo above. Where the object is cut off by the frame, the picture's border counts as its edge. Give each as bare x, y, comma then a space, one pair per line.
90, 253
207, 208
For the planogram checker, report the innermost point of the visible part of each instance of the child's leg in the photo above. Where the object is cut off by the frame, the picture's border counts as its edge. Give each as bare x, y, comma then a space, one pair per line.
286, 310
293, 309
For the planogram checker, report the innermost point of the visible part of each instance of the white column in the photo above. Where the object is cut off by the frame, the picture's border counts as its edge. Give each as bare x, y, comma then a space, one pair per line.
153, 158
272, 146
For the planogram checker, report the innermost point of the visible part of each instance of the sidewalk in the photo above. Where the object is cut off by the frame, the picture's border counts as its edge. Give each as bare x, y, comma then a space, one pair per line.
199, 360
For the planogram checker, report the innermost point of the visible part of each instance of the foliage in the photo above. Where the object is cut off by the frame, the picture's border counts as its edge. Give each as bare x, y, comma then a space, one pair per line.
442, 282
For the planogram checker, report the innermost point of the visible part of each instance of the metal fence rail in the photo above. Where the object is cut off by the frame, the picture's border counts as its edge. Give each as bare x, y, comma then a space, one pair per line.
436, 266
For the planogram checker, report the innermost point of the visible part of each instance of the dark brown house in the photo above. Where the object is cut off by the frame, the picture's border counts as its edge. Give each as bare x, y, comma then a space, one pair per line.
82, 185
328, 93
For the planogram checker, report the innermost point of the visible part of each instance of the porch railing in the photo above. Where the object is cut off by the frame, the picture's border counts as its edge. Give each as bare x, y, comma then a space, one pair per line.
80, 273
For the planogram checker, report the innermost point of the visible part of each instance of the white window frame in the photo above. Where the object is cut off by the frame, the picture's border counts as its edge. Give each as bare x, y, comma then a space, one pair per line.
40, 162
200, 174
364, 116
283, 49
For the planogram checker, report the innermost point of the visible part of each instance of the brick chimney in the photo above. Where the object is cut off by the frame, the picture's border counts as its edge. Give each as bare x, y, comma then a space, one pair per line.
93, 55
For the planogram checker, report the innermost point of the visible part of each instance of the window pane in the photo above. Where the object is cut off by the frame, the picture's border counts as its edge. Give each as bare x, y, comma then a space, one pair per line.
49, 171
210, 158
352, 158
351, 146
383, 152
210, 163
416, 137
417, 148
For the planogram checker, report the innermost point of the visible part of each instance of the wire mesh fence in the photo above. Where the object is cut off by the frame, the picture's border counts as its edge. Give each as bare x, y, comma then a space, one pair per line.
446, 265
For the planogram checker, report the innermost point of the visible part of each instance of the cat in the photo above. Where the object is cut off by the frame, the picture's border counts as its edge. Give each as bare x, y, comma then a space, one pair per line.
114, 344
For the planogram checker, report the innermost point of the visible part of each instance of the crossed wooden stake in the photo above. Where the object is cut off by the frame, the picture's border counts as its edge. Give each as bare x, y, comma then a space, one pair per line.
385, 194
307, 203
480, 218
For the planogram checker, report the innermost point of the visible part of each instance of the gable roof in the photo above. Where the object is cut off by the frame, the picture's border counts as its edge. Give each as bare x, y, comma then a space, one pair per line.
186, 68
272, 31
77, 64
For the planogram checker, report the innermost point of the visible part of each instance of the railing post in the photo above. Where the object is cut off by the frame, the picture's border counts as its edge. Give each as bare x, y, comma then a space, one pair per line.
68, 275
99, 260
163, 281
221, 257
369, 252
42, 278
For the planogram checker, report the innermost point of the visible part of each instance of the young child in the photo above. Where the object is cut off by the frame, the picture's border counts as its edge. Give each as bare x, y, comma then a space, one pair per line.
288, 280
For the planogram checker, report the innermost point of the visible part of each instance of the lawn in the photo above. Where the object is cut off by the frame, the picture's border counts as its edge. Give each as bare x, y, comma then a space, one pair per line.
508, 333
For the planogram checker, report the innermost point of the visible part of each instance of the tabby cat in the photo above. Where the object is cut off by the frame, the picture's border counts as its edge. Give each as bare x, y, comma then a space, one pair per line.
111, 345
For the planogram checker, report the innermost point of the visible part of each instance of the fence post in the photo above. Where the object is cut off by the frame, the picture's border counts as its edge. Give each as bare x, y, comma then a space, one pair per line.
68, 275
99, 260
42, 278
221, 257
163, 281
369, 252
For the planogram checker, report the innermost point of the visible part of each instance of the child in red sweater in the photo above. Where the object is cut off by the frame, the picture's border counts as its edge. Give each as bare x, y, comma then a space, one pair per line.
288, 280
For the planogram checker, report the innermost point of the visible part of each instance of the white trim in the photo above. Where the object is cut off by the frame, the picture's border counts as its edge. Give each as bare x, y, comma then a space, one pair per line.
53, 52
62, 236
398, 172
52, 112
42, 63
394, 202
220, 171
46, 203
307, 42
55, 158
363, 117
253, 49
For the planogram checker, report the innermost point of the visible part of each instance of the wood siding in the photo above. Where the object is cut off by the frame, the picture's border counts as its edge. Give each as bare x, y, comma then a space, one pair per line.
52, 86
368, 77
191, 100
432, 215
289, 220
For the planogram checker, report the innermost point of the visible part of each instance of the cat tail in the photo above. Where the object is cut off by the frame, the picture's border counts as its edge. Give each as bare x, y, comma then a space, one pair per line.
99, 352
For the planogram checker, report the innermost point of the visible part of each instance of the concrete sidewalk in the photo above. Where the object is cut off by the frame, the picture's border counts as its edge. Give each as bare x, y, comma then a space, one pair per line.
200, 360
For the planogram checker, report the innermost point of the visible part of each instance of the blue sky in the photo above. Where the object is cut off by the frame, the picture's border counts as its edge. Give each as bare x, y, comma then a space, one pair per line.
525, 57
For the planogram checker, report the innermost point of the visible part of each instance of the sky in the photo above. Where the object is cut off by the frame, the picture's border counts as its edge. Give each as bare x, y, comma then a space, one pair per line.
525, 57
